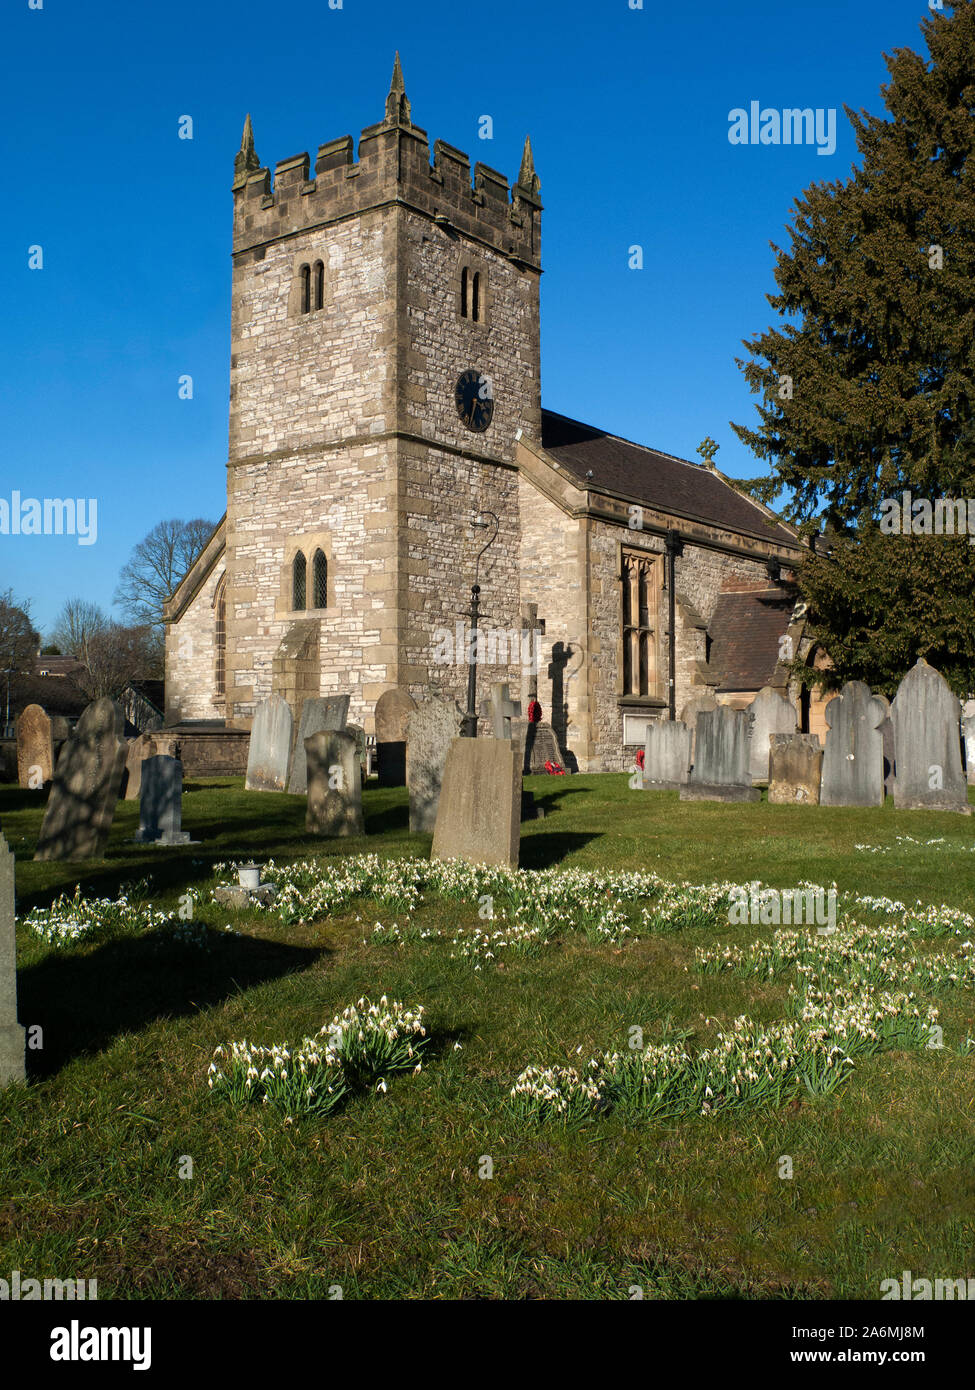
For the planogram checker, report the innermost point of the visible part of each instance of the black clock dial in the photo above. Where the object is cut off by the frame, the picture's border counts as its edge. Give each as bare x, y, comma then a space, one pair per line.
475, 400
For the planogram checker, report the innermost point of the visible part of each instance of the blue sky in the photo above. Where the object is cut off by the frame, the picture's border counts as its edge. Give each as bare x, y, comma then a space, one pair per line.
628, 112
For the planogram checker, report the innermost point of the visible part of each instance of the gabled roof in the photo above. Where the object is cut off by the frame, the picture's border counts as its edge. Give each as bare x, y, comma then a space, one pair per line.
745, 630
658, 480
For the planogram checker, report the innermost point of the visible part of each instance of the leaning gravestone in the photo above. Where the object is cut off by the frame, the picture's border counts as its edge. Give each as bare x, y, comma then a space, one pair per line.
161, 802
139, 749
720, 770
927, 749
769, 713
11, 1033
853, 764
35, 748
318, 716
479, 817
393, 710
431, 728
334, 784
86, 786
795, 769
666, 755
269, 751
697, 704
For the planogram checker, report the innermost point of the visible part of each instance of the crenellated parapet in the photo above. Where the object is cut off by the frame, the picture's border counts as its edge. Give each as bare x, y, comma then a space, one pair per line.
393, 166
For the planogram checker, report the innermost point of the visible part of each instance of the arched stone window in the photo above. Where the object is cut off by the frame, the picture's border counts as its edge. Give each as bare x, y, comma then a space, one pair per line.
464, 278
319, 580
319, 284
298, 583
220, 639
304, 276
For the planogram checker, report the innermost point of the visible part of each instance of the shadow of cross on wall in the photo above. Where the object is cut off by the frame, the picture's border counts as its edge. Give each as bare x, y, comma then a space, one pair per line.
500, 709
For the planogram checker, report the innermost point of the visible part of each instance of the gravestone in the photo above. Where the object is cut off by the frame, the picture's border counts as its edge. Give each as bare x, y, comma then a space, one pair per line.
927, 749
697, 704
968, 738
769, 713
795, 769
269, 751
318, 716
430, 729
35, 748
359, 734
666, 755
393, 709
720, 770
537, 743
161, 802
853, 764
139, 749
334, 784
479, 817
87, 781
11, 1033
500, 709
887, 734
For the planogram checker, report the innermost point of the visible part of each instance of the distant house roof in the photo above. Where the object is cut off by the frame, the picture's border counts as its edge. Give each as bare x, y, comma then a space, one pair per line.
153, 691
55, 694
57, 666
658, 480
745, 631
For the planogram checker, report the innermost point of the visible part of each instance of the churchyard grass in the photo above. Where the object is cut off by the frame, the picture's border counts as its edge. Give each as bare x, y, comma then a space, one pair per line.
383, 1195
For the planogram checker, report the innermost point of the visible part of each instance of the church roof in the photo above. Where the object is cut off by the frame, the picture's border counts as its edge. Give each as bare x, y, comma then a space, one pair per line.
745, 630
658, 480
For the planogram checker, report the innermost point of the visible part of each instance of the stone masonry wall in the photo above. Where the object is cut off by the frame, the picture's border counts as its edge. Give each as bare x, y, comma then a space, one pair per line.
191, 691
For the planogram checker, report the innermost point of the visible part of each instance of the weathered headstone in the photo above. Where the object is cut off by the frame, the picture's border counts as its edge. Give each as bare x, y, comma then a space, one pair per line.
697, 704
769, 713
538, 744
500, 709
86, 785
720, 770
11, 1033
334, 784
795, 769
968, 738
853, 764
35, 748
666, 755
479, 817
359, 734
431, 728
393, 709
318, 715
161, 802
270, 746
139, 749
927, 749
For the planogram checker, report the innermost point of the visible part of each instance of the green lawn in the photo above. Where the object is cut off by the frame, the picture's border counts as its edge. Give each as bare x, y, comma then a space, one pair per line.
384, 1198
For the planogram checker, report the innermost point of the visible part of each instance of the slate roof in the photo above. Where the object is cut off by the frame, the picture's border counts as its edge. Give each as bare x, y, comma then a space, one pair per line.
56, 694
745, 632
658, 480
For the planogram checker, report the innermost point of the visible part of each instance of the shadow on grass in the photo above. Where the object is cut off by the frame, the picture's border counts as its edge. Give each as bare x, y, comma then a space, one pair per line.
84, 1001
545, 850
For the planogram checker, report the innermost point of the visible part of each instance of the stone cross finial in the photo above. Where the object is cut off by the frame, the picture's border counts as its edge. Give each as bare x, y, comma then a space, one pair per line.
707, 449
500, 709
246, 161
397, 103
527, 178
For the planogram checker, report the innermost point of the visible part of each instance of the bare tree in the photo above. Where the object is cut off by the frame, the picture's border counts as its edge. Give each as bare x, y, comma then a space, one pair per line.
19, 642
113, 656
156, 566
78, 621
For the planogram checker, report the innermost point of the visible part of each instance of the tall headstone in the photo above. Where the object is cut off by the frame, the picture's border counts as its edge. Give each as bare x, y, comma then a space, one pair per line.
720, 770
927, 749
393, 709
795, 769
697, 704
161, 802
35, 748
86, 785
479, 817
11, 1033
270, 746
334, 784
853, 764
769, 713
430, 730
666, 755
139, 749
318, 715
968, 738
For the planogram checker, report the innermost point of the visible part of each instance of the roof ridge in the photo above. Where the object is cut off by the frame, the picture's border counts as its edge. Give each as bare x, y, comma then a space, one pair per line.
635, 444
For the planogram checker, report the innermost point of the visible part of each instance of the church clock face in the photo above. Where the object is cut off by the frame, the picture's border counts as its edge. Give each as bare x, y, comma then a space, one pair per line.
474, 397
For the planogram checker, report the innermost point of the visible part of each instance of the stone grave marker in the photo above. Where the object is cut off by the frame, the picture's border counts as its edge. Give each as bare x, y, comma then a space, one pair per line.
11, 1033
795, 769
500, 709
161, 802
968, 738
479, 816
138, 750
334, 784
269, 752
538, 744
927, 749
697, 704
666, 755
853, 764
769, 713
359, 734
431, 728
393, 710
720, 769
35, 749
87, 781
318, 715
